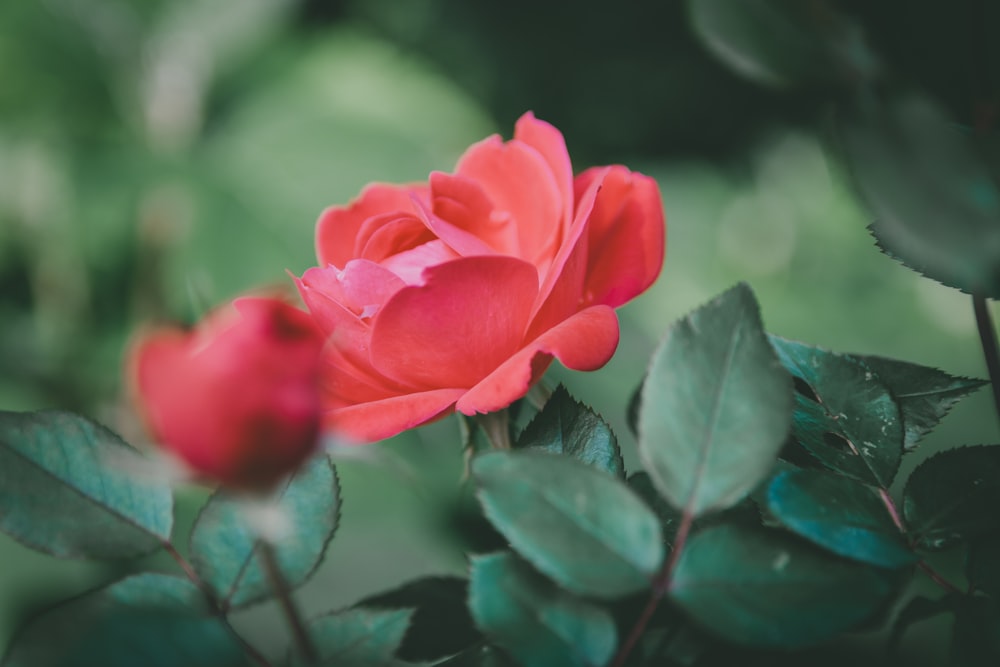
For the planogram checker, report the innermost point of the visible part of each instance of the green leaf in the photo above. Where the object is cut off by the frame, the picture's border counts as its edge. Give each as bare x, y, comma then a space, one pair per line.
918, 609
854, 406
952, 497
781, 43
982, 566
223, 544
924, 395
936, 203
975, 639
766, 588
839, 514
669, 516
357, 637
581, 527
65, 490
147, 619
440, 625
478, 656
716, 406
538, 623
566, 426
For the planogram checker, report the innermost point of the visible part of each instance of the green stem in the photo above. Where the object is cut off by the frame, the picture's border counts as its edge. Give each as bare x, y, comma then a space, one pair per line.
217, 608
496, 426
269, 561
988, 340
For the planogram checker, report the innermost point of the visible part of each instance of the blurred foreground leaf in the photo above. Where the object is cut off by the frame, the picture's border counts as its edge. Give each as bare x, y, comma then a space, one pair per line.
224, 544
766, 588
147, 619
357, 637
65, 489
541, 625
584, 529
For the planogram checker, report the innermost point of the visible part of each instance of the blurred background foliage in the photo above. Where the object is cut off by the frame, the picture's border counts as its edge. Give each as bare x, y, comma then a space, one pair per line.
159, 156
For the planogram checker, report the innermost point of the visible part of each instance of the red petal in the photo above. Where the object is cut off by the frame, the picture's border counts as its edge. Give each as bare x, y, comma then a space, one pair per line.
338, 226
519, 182
584, 342
461, 202
627, 235
377, 420
385, 235
452, 331
548, 141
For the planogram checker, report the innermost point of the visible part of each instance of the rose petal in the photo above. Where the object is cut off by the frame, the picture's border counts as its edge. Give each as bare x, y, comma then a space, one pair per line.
383, 236
462, 242
464, 321
360, 288
368, 422
549, 141
584, 342
338, 226
410, 265
461, 202
627, 232
519, 182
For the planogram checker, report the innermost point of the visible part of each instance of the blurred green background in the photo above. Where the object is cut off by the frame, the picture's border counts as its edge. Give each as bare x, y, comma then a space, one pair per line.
159, 156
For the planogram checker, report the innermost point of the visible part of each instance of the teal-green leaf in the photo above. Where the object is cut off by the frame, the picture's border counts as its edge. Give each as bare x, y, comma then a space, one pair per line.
224, 545
780, 43
149, 619
357, 637
583, 528
669, 516
839, 514
537, 622
65, 489
936, 204
716, 406
924, 395
440, 625
854, 405
566, 426
952, 496
766, 588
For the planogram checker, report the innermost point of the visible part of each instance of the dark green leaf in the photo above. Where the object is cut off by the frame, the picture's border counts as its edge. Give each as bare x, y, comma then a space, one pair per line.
924, 395
357, 637
578, 525
632, 410
918, 609
766, 588
975, 638
440, 625
982, 566
538, 623
782, 43
936, 204
223, 543
478, 656
839, 514
65, 489
952, 496
147, 619
854, 407
716, 406
566, 426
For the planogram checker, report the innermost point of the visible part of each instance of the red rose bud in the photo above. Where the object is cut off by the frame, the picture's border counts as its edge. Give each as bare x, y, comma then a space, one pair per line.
458, 293
238, 398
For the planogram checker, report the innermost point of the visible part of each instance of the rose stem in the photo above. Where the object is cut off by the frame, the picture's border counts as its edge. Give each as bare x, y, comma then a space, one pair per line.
280, 587
988, 339
217, 607
496, 426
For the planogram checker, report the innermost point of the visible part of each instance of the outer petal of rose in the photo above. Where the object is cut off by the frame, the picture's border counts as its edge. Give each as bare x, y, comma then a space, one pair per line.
562, 291
549, 141
627, 232
464, 321
584, 342
518, 181
360, 287
368, 422
338, 226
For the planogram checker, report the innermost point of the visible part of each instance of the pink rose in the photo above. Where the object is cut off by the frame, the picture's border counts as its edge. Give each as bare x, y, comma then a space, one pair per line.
457, 294
237, 399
